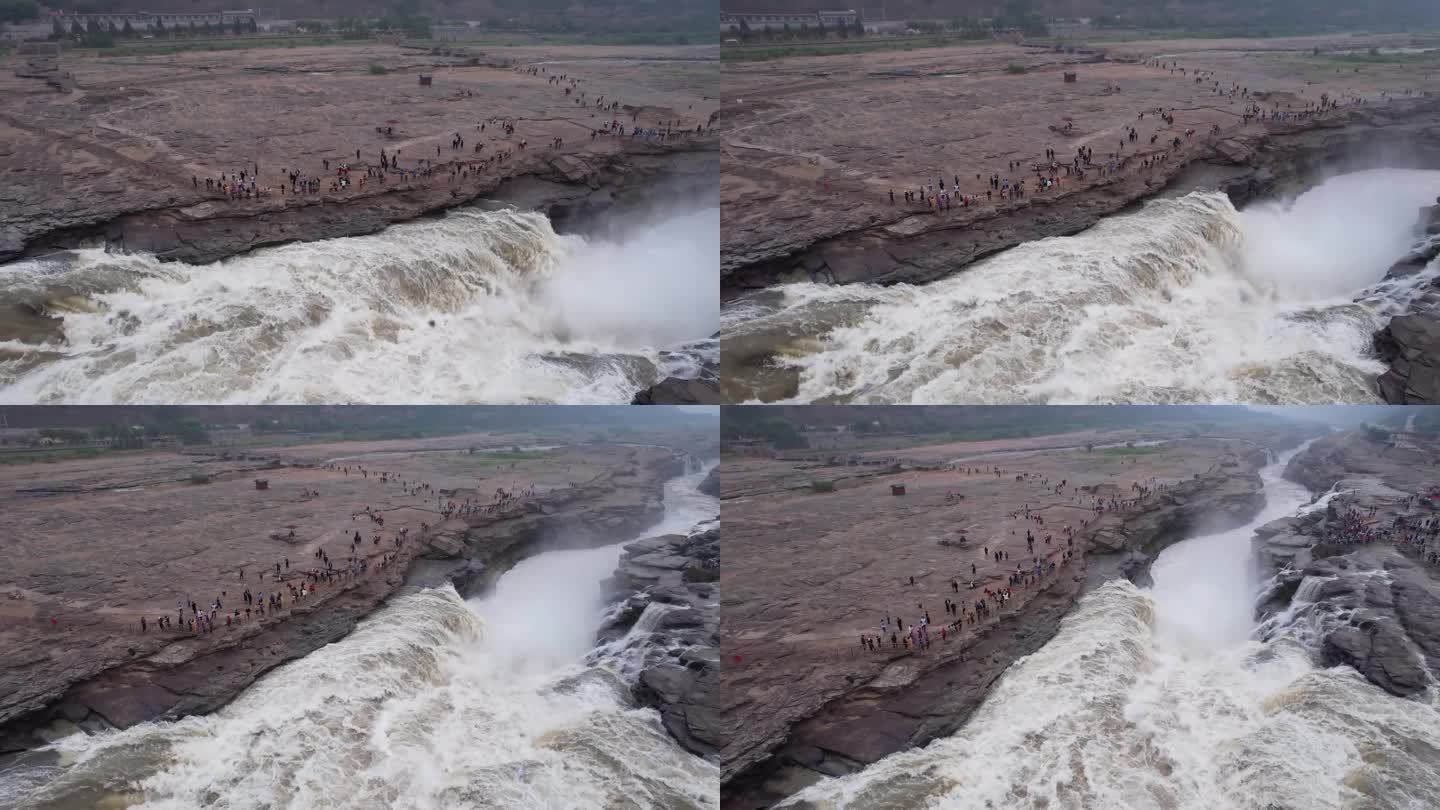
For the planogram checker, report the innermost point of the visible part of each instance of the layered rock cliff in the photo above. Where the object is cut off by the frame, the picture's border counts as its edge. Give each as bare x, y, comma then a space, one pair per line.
670, 622
1279, 158
1370, 604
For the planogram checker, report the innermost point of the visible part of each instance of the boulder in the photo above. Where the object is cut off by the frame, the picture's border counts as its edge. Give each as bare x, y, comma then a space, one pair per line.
1411, 345
679, 391
711, 485
1378, 651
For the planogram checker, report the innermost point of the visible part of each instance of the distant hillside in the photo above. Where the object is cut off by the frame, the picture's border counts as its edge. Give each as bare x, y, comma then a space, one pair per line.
578, 15
1240, 16
353, 417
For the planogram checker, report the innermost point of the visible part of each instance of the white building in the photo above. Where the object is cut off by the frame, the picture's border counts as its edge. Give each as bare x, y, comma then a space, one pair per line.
884, 27
142, 20
777, 20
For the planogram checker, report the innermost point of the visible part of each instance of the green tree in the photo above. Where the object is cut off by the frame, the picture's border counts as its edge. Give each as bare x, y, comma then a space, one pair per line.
159, 27
191, 431
238, 27
127, 30
252, 26
16, 11
859, 27
57, 29
75, 28
92, 26
744, 30
820, 29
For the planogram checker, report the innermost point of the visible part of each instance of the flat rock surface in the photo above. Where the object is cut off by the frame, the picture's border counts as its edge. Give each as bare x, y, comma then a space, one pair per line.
139, 128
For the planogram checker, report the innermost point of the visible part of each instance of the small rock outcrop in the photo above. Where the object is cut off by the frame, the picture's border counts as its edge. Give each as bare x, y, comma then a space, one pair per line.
672, 613
1411, 345
1386, 628
679, 391
711, 485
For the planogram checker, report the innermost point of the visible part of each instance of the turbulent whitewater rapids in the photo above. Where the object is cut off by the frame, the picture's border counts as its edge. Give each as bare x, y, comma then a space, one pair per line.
434, 702
1186, 300
479, 306
1165, 698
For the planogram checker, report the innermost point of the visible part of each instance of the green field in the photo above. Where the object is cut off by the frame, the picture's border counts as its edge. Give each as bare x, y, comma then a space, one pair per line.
38, 456
761, 53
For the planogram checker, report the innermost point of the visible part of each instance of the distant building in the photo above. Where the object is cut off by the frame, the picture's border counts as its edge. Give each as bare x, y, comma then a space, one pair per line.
884, 27
453, 33
756, 448
777, 20
142, 20
225, 435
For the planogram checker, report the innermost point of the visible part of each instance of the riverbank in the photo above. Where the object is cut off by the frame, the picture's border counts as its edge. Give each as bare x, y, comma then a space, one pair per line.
134, 157
806, 181
576, 192
803, 703
1261, 162
670, 587
115, 676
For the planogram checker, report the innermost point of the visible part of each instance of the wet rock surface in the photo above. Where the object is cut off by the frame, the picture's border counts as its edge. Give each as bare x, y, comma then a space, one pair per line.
1411, 345
1410, 342
1374, 606
1386, 627
679, 391
671, 620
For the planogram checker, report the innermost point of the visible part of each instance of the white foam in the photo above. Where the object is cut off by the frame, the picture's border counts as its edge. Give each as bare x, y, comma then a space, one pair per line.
520, 315
1186, 300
